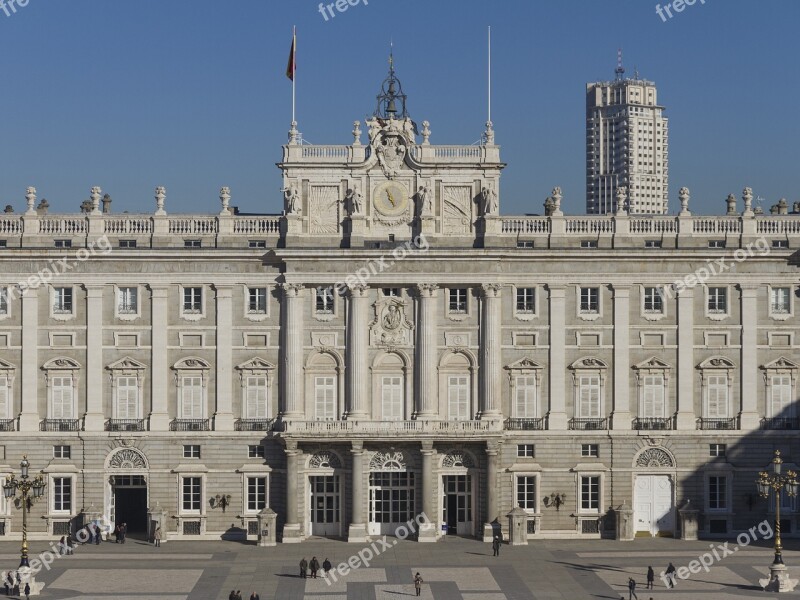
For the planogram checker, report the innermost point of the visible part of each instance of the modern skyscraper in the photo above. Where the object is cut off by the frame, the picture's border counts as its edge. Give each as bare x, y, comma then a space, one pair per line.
626, 146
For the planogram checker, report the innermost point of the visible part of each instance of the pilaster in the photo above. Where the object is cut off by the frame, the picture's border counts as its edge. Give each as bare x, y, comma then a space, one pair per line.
621, 415
159, 413
686, 415
358, 527
223, 417
491, 351
749, 420
357, 345
292, 330
427, 388
29, 398
94, 419
557, 416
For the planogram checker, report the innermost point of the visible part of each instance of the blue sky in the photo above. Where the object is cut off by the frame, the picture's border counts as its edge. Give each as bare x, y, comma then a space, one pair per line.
192, 94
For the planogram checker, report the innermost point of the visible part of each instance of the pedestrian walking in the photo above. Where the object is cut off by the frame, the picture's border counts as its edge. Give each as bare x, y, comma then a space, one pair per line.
670, 573
314, 566
7, 583
255, 596
326, 565
650, 577
123, 531
238, 594
232, 595
496, 546
70, 545
62, 546
632, 589
157, 537
303, 567
418, 583
117, 533
27, 591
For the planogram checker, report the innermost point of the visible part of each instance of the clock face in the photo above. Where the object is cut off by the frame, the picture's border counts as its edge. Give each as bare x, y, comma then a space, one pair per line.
390, 198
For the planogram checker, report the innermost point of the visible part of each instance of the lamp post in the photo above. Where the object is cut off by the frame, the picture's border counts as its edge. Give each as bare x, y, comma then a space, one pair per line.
25, 486
776, 482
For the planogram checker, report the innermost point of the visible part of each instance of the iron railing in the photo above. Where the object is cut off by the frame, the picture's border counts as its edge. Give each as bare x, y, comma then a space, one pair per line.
588, 424
190, 425
717, 424
60, 425
653, 423
126, 425
526, 424
254, 424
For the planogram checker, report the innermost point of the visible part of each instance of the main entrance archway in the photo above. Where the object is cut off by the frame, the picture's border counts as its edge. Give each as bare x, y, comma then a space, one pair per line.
654, 493
126, 490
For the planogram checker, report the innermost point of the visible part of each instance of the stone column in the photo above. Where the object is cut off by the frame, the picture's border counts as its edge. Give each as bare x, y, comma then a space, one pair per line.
29, 398
291, 529
491, 351
749, 369
557, 416
358, 527
159, 390
293, 330
223, 417
427, 530
93, 421
686, 371
357, 370
492, 459
621, 416
427, 352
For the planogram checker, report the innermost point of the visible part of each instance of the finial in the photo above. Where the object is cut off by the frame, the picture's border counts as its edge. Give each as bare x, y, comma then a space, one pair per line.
225, 199
161, 195
684, 196
95, 196
747, 196
30, 198
356, 133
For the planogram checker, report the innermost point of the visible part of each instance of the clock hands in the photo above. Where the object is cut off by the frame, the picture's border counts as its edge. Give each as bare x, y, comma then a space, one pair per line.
391, 198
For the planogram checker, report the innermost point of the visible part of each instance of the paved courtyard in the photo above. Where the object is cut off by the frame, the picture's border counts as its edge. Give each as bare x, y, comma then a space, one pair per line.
456, 569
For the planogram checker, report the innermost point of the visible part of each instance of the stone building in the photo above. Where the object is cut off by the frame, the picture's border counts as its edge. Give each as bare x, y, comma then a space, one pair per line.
392, 345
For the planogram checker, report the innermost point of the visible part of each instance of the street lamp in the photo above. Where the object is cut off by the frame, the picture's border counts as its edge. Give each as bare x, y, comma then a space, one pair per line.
778, 578
25, 486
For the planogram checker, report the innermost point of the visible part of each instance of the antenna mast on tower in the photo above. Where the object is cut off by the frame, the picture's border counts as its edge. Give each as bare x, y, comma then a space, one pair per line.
620, 70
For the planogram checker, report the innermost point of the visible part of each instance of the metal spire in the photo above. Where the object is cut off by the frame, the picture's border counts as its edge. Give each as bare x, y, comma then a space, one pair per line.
620, 70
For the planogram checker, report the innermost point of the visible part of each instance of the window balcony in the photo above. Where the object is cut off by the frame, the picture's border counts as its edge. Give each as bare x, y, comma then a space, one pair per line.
126, 425
780, 423
60, 425
8, 425
388, 428
190, 425
653, 423
588, 424
254, 424
718, 424
528, 424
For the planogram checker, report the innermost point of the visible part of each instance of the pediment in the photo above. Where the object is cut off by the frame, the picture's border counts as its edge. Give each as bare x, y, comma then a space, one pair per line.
127, 363
6, 366
192, 362
717, 362
781, 363
588, 362
63, 363
255, 364
524, 363
653, 363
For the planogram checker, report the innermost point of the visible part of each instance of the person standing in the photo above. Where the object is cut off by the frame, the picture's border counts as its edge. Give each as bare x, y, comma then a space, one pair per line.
650, 577
670, 573
632, 589
303, 567
255, 596
232, 595
157, 537
326, 565
314, 566
418, 583
496, 546
27, 591
123, 531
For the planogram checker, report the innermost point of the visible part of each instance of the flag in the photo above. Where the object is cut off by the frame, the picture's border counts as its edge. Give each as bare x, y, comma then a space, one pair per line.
292, 66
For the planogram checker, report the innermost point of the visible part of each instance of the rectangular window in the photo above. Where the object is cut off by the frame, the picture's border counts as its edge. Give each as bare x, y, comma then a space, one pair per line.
652, 244
590, 300
717, 405
127, 243
191, 451
255, 451
779, 301
192, 397
62, 398
256, 397
3, 300
457, 301
256, 244
590, 493
62, 494
589, 396
718, 492
526, 451
653, 396
128, 300
392, 398
526, 492
525, 402
590, 450
653, 300
781, 396
324, 301
526, 244
391, 292
716, 450
127, 398
192, 243
325, 398
716, 244
256, 493
5, 409
780, 243
191, 487
526, 300
718, 300
458, 397
62, 301
62, 451
588, 243
193, 300
63, 243
257, 301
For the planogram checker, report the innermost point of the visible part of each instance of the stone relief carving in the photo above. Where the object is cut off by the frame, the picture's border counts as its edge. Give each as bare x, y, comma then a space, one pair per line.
391, 153
423, 202
388, 461
489, 201
324, 460
457, 208
390, 325
457, 458
324, 209
353, 201
654, 457
127, 458
291, 200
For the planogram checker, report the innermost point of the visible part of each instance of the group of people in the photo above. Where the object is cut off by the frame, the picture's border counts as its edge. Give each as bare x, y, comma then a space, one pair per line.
13, 584
237, 595
120, 531
66, 546
670, 573
313, 566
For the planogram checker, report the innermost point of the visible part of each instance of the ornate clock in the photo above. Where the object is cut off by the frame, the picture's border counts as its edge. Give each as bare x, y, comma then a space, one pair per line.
390, 198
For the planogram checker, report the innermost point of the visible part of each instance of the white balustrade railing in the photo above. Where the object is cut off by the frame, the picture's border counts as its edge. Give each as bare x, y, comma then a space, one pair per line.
61, 225
526, 225
252, 225
716, 225
590, 225
778, 226
128, 225
654, 225
10, 226
458, 152
193, 225
332, 153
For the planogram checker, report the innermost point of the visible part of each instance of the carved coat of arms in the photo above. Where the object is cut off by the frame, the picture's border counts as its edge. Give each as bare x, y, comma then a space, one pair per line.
391, 153
390, 326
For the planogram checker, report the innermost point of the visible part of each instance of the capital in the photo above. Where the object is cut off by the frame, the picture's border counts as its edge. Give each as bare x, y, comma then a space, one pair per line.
427, 290
292, 290
491, 290
358, 290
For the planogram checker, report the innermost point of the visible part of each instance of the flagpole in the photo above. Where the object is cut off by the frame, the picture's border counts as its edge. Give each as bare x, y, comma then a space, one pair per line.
294, 71
490, 73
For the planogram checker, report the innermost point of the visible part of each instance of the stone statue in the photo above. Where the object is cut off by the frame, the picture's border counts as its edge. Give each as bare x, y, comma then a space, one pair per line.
549, 206
30, 198
622, 200
683, 196
796, 208
557, 197
424, 203
161, 195
731, 200
106, 204
426, 133
95, 196
488, 134
353, 201
291, 200
747, 196
43, 206
489, 201
356, 133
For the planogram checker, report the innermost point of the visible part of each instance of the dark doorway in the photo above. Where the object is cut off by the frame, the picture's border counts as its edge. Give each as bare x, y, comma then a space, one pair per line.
452, 514
130, 505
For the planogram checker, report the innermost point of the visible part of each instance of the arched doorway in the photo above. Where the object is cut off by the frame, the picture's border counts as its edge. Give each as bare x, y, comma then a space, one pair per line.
326, 502
458, 493
126, 490
654, 493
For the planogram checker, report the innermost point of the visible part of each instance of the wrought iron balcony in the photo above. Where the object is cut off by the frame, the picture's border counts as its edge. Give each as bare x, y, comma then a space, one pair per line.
126, 425
653, 423
528, 424
397, 428
60, 425
254, 424
190, 425
8, 425
780, 423
588, 424
712, 424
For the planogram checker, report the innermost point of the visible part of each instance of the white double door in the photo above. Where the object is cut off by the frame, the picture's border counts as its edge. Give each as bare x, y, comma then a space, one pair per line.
654, 509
